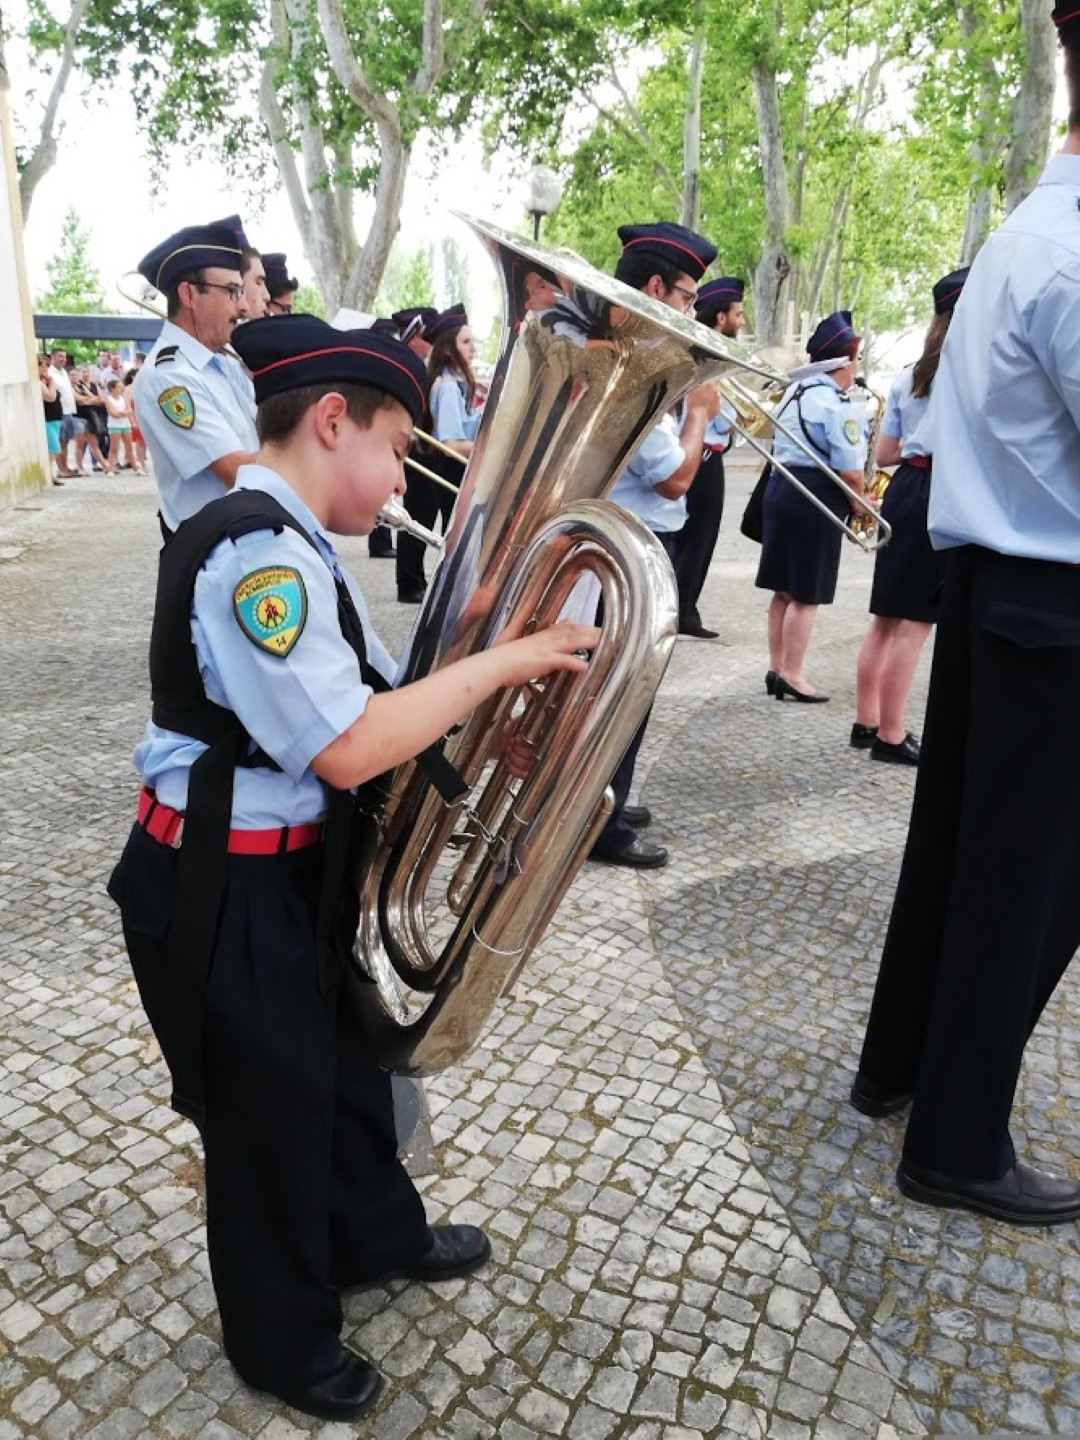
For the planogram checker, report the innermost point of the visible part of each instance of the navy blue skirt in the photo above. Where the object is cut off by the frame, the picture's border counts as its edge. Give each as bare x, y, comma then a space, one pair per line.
908, 572
800, 547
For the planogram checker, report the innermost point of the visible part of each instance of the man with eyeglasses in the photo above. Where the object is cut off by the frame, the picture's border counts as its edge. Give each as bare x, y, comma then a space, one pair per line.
193, 400
280, 285
666, 262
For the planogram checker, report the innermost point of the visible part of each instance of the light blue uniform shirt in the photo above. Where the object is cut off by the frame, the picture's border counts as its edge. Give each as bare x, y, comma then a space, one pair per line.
1004, 418
292, 706
718, 434
450, 417
210, 391
835, 428
657, 460
904, 413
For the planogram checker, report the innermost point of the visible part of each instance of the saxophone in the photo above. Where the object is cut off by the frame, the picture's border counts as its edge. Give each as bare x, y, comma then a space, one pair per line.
455, 896
875, 480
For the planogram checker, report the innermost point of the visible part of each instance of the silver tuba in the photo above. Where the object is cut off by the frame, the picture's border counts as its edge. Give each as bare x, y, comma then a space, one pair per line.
454, 897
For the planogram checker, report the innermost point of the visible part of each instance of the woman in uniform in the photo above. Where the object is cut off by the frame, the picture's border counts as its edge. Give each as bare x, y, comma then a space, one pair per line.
800, 550
454, 420
908, 573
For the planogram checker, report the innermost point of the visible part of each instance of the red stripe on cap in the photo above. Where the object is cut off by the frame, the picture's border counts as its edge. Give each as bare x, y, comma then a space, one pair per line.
672, 244
1064, 20
950, 293
340, 350
840, 335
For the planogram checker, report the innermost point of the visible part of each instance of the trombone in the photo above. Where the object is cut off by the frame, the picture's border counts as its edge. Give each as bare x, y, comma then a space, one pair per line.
140, 292
869, 531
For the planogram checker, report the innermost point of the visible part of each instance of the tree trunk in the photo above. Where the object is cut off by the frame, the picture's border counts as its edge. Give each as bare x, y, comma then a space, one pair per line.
691, 197
985, 142
43, 156
774, 266
1032, 111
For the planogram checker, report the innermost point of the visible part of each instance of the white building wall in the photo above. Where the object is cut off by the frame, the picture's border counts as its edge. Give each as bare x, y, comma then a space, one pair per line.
24, 455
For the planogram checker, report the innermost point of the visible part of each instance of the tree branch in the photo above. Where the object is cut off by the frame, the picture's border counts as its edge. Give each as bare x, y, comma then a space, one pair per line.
43, 157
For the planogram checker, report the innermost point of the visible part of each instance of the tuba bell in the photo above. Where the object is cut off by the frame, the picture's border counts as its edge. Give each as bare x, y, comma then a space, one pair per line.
455, 896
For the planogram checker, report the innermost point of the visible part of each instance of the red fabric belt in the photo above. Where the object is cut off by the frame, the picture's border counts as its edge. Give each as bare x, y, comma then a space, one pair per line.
921, 462
165, 825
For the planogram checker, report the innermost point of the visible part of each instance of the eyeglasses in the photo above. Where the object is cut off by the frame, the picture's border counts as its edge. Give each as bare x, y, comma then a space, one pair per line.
689, 296
234, 292
277, 308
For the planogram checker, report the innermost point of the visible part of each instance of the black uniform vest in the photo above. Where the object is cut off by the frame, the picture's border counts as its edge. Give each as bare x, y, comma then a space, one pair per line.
180, 703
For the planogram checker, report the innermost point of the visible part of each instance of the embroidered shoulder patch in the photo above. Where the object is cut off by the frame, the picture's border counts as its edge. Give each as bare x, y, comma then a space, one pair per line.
177, 405
270, 606
851, 431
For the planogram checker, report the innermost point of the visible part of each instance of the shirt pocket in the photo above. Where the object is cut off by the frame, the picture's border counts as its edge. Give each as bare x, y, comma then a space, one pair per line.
142, 884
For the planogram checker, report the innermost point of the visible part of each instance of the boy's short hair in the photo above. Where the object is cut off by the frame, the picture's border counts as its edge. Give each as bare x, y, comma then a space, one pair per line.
279, 415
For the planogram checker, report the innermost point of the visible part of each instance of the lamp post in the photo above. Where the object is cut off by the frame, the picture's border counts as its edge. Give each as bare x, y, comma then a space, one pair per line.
543, 191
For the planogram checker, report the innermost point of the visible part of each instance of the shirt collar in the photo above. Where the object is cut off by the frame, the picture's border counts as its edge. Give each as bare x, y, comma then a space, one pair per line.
261, 477
192, 350
1061, 170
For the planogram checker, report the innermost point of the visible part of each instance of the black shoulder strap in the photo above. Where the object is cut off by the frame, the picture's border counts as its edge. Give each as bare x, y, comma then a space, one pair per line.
166, 353
800, 391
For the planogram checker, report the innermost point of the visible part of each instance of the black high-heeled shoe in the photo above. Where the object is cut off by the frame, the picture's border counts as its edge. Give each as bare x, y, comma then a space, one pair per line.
785, 691
770, 681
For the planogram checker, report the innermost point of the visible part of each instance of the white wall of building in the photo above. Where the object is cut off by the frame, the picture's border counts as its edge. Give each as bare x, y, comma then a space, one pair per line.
24, 456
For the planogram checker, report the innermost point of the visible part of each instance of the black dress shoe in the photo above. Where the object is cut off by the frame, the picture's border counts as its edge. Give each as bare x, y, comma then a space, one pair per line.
456, 1250
771, 678
348, 1391
862, 736
382, 554
905, 752
697, 631
783, 691
639, 854
411, 597
637, 815
870, 1099
1023, 1195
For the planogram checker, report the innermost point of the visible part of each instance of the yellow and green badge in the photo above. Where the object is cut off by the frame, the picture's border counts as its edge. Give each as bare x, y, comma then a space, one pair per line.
851, 431
178, 405
270, 606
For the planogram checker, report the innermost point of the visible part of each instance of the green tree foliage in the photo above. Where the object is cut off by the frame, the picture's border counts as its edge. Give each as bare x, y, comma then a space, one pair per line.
407, 280
308, 300
75, 286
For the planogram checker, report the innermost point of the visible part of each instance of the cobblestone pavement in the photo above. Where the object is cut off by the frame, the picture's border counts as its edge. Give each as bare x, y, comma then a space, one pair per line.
694, 1236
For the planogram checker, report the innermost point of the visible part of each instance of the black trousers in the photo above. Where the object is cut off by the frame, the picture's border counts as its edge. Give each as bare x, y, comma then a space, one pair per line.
304, 1190
697, 539
425, 502
617, 834
987, 910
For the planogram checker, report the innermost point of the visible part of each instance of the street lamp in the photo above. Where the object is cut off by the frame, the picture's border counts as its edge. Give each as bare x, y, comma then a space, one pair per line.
543, 191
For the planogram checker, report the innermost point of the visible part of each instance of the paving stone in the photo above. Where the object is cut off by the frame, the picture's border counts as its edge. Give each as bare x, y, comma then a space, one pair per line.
695, 1235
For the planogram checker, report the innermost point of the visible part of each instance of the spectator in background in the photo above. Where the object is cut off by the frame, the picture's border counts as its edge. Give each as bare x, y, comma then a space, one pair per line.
120, 425
138, 444
53, 416
72, 426
89, 399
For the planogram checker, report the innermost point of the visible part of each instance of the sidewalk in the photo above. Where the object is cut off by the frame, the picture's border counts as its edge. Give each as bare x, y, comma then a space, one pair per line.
694, 1235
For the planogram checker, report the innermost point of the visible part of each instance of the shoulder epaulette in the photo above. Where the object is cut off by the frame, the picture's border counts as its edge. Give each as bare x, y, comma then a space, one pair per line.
167, 353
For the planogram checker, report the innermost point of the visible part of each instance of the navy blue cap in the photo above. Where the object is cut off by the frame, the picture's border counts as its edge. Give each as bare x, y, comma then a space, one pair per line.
286, 352
404, 318
383, 325
452, 319
278, 279
725, 290
947, 290
236, 225
832, 337
1065, 11
193, 248
675, 244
